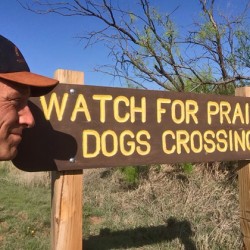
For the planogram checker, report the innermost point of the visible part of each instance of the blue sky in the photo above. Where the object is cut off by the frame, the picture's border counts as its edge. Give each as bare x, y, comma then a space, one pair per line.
48, 41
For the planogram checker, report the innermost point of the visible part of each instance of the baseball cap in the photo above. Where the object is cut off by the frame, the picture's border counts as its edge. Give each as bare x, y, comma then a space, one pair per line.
14, 68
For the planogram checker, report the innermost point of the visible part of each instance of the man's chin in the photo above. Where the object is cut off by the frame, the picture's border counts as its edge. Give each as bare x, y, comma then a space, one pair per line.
14, 154
9, 155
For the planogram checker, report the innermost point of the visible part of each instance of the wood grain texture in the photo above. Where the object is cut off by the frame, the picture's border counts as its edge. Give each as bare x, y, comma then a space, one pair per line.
67, 186
69, 76
244, 187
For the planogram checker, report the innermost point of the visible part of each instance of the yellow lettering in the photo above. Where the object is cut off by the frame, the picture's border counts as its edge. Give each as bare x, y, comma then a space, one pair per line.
143, 143
231, 140
182, 138
239, 140
117, 115
104, 143
180, 104
80, 106
208, 141
222, 142
191, 110
247, 113
225, 109
53, 102
102, 99
194, 134
238, 114
164, 142
130, 144
141, 109
212, 109
86, 142
160, 110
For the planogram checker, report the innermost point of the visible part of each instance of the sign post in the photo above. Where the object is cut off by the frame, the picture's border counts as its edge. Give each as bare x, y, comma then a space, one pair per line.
66, 212
244, 187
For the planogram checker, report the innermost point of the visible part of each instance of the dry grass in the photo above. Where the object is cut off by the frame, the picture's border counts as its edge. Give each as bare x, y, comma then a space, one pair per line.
30, 179
169, 210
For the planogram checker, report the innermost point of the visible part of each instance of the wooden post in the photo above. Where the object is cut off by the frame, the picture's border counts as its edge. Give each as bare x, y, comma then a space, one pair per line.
66, 214
244, 187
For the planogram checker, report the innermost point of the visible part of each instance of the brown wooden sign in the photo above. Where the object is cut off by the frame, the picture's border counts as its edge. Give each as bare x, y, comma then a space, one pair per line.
80, 127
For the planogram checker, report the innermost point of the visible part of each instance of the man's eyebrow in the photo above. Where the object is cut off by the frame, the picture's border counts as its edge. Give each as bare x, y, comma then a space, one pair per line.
22, 90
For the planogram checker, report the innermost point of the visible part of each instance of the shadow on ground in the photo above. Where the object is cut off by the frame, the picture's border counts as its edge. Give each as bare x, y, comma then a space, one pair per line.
142, 236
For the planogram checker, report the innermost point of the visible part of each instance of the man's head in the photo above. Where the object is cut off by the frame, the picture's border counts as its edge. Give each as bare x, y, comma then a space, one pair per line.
17, 84
15, 69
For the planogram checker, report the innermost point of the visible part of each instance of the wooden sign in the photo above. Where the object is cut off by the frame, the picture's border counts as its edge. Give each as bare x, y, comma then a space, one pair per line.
80, 127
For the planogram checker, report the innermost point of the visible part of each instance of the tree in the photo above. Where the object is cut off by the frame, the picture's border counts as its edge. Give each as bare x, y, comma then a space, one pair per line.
147, 47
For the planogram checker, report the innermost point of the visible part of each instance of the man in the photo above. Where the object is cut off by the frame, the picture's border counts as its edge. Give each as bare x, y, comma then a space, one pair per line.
17, 84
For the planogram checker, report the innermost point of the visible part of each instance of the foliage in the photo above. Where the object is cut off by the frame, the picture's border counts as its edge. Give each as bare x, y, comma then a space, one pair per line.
131, 175
187, 168
150, 49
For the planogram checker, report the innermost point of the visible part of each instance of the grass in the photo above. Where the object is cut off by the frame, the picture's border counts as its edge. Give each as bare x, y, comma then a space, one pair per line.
166, 209
169, 210
24, 214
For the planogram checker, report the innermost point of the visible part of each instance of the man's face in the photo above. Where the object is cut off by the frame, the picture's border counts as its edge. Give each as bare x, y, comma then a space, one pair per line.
15, 115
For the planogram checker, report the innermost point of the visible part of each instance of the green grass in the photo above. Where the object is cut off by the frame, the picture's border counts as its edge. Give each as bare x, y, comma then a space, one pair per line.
24, 215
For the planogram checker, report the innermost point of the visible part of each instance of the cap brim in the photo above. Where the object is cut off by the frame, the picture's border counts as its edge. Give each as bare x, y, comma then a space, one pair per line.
40, 85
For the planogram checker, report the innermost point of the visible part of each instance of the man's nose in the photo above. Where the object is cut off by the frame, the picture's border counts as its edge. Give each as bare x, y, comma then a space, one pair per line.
26, 118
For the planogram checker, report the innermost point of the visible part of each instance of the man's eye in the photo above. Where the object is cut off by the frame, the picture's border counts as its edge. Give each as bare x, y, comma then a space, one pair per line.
15, 101
18, 103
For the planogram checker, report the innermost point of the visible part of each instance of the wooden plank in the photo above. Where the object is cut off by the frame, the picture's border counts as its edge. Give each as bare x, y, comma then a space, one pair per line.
110, 127
69, 76
66, 215
244, 187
